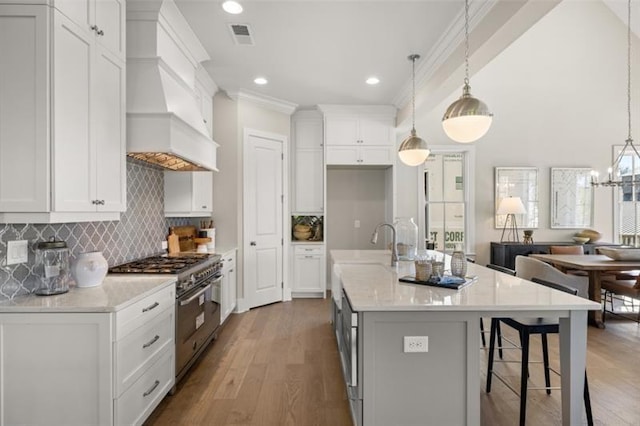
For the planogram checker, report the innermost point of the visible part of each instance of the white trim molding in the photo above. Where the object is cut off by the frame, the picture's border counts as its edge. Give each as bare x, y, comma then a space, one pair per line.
265, 101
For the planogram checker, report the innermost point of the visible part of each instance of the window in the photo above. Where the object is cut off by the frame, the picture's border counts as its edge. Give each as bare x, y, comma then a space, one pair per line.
628, 200
445, 195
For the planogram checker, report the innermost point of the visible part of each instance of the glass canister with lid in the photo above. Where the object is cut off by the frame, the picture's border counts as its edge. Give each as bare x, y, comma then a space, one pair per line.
52, 267
407, 238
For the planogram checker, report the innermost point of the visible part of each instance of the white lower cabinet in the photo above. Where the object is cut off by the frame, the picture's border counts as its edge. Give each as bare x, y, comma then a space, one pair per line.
309, 271
56, 369
98, 368
228, 297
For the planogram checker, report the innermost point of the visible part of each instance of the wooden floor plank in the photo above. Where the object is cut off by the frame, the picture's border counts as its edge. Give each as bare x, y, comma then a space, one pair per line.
279, 365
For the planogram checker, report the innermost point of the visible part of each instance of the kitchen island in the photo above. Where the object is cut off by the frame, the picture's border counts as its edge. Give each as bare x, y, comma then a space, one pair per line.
103, 355
389, 385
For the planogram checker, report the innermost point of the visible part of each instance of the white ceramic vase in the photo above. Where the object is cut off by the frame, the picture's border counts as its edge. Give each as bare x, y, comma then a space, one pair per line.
89, 269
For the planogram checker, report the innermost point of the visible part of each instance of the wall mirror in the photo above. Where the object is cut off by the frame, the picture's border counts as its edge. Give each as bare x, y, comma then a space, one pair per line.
571, 198
518, 182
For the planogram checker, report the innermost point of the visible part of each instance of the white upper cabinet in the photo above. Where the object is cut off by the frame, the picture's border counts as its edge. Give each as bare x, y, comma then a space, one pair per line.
188, 194
308, 163
105, 19
359, 135
205, 102
71, 117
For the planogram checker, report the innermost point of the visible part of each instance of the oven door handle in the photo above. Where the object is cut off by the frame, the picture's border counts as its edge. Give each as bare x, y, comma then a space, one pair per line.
195, 296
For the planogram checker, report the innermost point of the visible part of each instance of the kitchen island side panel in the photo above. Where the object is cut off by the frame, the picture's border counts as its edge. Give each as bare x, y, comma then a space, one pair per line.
419, 388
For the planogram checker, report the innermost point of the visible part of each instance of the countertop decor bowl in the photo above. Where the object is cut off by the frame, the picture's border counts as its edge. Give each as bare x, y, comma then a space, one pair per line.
621, 254
592, 234
580, 240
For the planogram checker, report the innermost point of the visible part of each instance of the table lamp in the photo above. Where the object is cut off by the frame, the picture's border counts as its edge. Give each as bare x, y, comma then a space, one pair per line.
511, 206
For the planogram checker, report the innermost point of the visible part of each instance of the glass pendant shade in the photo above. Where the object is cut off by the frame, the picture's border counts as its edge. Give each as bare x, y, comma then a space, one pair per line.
413, 150
467, 119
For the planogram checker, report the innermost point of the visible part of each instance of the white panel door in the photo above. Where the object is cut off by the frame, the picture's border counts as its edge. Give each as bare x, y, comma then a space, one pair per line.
341, 131
109, 20
23, 109
376, 131
309, 180
108, 131
263, 220
73, 157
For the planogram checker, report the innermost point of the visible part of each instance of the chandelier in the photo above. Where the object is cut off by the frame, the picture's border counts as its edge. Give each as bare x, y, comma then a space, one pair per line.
614, 177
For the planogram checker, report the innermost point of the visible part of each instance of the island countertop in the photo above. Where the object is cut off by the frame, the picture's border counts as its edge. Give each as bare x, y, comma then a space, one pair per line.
371, 284
115, 293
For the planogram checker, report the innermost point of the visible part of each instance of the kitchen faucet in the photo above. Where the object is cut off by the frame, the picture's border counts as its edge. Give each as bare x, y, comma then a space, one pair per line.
394, 248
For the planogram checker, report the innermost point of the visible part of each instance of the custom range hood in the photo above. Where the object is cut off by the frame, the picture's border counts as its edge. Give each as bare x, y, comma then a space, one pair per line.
165, 125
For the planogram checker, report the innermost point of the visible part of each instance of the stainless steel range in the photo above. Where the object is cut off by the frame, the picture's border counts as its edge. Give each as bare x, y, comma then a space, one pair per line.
197, 299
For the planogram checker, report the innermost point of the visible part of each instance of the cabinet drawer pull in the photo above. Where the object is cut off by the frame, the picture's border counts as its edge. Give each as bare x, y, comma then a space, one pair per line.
230, 270
94, 27
100, 33
150, 342
148, 308
308, 257
151, 389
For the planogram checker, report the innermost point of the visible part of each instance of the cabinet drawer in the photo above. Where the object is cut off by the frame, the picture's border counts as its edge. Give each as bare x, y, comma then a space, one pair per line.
144, 311
141, 347
135, 405
316, 250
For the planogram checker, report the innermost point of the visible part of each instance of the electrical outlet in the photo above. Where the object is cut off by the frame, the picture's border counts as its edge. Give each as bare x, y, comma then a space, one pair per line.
165, 245
17, 252
356, 224
416, 344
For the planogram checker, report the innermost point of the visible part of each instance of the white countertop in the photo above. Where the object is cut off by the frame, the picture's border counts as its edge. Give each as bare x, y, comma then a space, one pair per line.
115, 293
372, 284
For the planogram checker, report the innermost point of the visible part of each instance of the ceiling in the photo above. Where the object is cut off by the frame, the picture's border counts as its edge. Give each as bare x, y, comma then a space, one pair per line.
321, 52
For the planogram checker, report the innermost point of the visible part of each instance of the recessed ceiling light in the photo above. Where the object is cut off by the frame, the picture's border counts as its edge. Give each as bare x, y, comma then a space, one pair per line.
373, 80
232, 7
261, 81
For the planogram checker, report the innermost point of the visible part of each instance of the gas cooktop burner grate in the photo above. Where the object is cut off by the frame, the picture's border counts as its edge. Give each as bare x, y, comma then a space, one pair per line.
173, 264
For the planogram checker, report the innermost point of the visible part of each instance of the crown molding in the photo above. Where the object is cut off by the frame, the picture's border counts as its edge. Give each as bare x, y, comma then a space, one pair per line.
269, 102
442, 50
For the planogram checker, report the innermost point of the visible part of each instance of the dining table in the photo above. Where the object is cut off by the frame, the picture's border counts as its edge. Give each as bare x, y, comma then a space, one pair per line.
596, 265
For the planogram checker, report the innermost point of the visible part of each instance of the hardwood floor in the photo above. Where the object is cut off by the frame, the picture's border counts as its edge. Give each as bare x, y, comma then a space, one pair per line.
279, 365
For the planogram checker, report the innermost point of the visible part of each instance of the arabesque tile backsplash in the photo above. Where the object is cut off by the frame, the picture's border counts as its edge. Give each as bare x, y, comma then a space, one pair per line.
137, 234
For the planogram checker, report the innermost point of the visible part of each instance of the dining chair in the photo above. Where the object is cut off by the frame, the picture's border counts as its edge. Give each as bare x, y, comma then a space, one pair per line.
525, 328
614, 288
574, 249
482, 330
528, 267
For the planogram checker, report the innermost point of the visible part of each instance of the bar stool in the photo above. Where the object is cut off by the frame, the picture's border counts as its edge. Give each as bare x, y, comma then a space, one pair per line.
526, 327
482, 331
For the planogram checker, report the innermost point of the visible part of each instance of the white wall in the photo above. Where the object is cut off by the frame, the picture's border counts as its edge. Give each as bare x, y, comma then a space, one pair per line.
355, 194
558, 95
230, 119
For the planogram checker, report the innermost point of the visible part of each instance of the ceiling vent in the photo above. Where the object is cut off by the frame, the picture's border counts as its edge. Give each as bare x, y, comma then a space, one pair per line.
242, 34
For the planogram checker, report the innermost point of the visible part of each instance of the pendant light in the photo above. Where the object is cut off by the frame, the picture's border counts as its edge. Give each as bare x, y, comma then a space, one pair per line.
413, 150
629, 148
468, 118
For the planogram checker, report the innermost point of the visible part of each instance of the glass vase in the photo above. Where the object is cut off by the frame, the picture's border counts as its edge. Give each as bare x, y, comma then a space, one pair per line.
458, 262
407, 238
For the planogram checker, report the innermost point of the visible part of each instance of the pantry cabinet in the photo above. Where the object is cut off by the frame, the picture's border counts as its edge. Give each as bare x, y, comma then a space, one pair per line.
67, 107
188, 194
308, 163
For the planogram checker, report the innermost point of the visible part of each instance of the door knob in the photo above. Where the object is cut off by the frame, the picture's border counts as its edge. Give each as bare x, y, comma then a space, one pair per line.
252, 243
